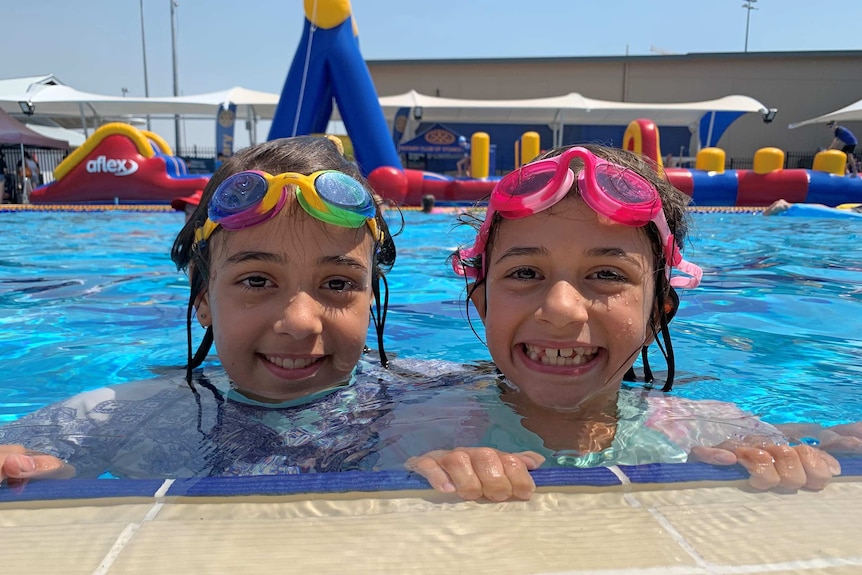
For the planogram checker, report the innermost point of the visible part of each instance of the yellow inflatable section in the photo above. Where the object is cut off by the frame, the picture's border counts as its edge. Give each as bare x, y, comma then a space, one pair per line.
139, 137
327, 14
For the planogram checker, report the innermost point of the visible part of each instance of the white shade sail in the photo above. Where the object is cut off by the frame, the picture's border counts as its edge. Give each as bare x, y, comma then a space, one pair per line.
572, 108
60, 100
851, 112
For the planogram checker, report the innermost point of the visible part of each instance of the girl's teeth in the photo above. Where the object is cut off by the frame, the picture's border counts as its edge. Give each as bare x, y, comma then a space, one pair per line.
565, 356
287, 363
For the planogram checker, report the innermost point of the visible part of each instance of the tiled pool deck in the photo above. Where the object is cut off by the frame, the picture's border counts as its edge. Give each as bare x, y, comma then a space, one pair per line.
650, 520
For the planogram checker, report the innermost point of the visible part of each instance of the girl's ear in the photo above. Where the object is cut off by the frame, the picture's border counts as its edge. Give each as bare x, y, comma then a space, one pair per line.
477, 296
202, 302
671, 305
204, 313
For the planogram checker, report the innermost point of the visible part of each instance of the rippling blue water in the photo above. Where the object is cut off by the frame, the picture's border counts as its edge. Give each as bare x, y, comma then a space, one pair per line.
89, 299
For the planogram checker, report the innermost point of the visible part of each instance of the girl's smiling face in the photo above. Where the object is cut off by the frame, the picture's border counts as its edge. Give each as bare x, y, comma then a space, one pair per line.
289, 303
566, 303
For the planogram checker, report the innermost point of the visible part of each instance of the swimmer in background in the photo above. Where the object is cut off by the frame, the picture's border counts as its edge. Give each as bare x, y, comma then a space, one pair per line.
463, 164
782, 206
845, 141
187, 204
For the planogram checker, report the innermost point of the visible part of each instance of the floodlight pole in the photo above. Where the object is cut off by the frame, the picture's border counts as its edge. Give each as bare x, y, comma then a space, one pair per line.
749, 6
174, 5
144, 52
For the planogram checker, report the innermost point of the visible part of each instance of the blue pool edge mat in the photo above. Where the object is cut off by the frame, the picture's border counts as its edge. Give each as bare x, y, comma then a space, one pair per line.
370, 482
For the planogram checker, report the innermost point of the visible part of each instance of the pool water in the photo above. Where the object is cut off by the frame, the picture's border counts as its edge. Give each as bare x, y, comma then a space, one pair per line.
89, 299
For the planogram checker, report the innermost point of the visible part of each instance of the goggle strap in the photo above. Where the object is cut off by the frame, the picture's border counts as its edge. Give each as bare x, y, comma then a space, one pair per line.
311, 201
331, 214
694, 273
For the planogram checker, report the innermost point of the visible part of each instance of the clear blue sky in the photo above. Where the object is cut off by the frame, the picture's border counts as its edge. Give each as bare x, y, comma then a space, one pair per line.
96, 45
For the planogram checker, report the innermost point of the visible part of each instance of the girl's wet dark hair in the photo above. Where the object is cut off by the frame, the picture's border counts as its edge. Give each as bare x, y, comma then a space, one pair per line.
674, 203
304, 155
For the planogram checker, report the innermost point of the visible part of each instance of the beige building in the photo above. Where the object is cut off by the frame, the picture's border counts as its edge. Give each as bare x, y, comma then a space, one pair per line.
801, 85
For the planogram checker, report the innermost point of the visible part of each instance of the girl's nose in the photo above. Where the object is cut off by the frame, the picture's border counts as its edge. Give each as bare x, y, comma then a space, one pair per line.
564, 304
301, 316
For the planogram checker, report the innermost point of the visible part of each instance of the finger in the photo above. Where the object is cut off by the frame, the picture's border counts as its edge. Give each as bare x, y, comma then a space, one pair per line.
790, 470
817, 468
428, 468
831, 462
759, 441
5, 452
458, 465
849, 429
25, 466
531, 459
760, 467
835, 443
712, 455
518, 475
489, 470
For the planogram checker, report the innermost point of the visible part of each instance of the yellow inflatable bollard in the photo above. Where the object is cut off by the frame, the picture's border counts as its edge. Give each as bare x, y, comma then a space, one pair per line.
480, 154
530, 147
327, 14
768, 160
710, 160
830, 161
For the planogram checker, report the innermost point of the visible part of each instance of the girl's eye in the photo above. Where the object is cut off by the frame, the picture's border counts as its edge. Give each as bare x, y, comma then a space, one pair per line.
610, 275
524, 274
340, 284
255, 282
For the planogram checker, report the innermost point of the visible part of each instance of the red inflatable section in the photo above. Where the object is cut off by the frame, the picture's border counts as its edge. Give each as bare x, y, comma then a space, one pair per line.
763, 189
119, 165
406, 187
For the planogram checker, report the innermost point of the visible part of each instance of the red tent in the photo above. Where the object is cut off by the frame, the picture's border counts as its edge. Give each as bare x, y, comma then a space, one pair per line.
13, 132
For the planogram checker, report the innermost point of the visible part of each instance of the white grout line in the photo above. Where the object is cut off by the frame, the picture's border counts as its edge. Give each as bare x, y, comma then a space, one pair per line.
163, 490
624, 479
125, 536
129, 532
680, 540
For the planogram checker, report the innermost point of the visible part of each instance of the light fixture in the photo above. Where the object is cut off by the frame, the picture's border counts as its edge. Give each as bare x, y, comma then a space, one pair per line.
27, 107
769, 115
417, 113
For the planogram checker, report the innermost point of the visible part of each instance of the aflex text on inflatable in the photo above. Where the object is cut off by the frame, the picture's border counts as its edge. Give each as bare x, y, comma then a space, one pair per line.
120, 164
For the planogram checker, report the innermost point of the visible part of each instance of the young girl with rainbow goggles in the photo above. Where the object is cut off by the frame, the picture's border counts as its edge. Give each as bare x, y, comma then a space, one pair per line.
285, 256
574, 273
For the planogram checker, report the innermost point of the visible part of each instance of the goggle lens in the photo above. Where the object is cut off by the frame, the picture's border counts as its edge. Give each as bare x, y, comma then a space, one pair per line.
237, 194
342, 191
525, 183
623, 185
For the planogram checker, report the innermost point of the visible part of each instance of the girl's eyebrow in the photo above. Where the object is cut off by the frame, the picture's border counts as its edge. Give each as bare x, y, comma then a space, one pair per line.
519, 251
342, 261
612, 252
270, 257
241, 257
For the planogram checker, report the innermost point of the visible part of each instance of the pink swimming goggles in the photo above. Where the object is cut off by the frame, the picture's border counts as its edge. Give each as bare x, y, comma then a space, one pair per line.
620, 194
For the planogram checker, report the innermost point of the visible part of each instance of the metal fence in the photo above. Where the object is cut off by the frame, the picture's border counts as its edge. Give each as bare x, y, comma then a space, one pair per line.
47, 159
